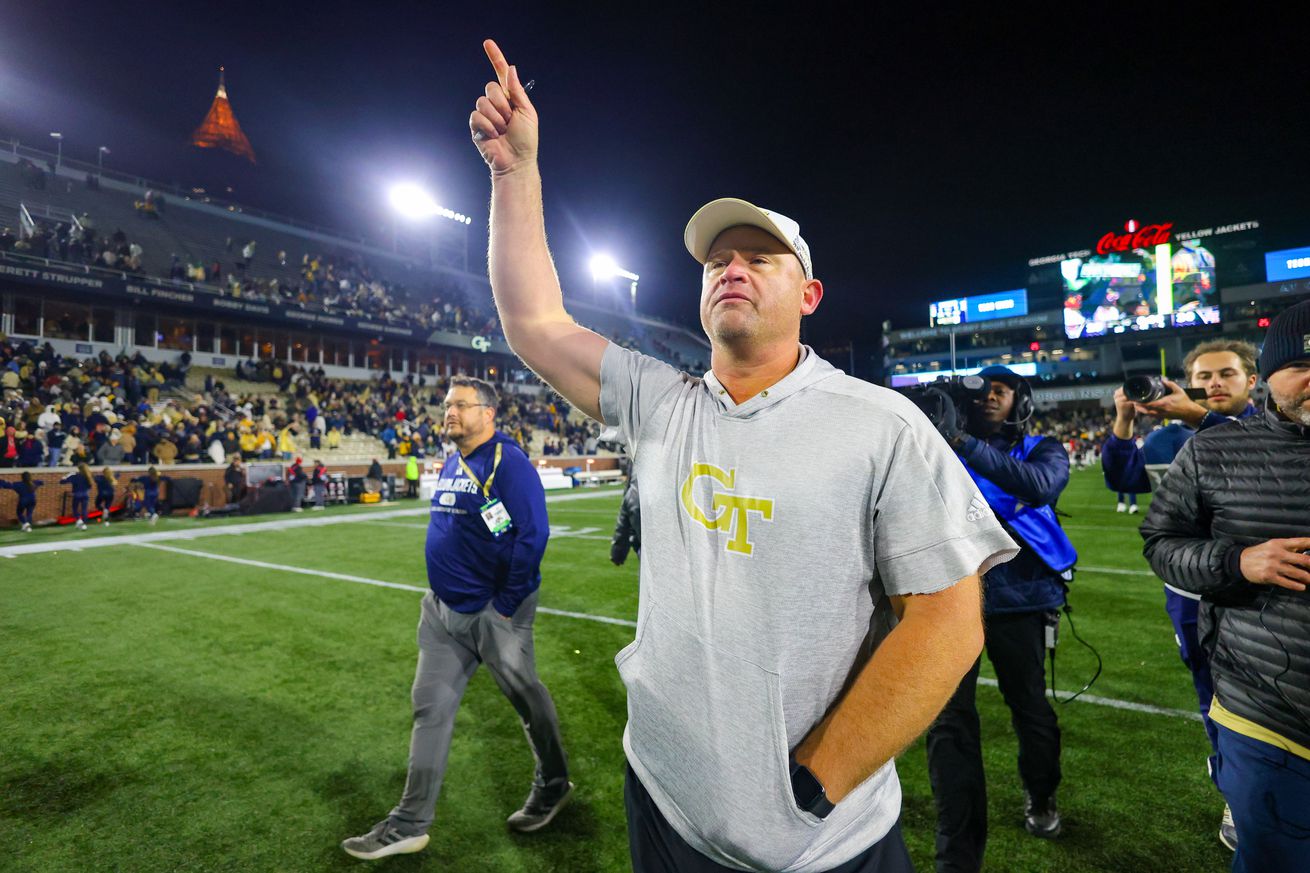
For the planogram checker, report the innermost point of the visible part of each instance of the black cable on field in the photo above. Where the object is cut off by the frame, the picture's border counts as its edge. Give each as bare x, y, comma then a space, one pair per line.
1068, 613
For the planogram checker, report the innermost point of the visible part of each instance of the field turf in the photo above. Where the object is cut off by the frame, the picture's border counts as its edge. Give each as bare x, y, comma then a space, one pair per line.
164, 709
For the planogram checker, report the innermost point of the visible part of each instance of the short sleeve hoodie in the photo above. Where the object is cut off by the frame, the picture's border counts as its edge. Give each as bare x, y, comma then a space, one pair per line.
773, 532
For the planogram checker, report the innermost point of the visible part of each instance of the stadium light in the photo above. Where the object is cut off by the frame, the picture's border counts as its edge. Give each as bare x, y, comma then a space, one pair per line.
100, 160
415, 203
59, 148
604, 267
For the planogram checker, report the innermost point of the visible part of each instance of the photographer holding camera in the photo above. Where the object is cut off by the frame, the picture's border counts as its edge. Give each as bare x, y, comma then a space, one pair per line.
1021, 477
1226, 371
1231, 523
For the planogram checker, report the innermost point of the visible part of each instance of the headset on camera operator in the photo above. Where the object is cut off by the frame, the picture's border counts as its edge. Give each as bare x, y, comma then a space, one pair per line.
1226, 371
1231, 523
1021, 476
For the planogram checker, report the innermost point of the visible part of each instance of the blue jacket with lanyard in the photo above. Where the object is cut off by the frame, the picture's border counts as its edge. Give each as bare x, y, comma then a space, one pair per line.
1020, 481
488, 529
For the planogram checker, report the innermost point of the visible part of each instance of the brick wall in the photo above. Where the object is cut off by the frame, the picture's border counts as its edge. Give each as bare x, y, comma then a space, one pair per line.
51, 496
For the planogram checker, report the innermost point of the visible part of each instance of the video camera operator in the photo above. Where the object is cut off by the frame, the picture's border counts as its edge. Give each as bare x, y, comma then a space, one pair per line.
1231, 523
1226, 371
1021, 476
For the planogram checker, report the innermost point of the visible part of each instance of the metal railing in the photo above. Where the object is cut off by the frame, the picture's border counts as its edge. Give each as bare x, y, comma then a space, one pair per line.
384, 246
28, 213
14, 147
204, 288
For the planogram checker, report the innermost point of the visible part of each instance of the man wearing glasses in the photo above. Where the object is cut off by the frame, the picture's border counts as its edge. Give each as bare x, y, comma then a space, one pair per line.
486, 538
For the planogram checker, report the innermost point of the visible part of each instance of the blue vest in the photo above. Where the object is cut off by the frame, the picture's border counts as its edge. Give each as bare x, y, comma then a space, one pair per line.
1036, 526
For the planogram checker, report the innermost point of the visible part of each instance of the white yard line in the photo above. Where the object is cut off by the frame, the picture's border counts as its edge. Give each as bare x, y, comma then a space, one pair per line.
556, 531
1114, 571
361, 580
285, 568
72, 543
1120, 704
603, 619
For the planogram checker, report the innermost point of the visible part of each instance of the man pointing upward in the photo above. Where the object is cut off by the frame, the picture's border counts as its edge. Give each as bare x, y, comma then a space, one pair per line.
771, 682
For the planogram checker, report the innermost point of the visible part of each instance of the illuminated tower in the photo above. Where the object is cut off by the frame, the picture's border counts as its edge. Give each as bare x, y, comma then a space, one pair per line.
220, 128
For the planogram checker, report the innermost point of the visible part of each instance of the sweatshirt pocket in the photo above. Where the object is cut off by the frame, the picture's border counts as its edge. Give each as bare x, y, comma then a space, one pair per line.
706, 727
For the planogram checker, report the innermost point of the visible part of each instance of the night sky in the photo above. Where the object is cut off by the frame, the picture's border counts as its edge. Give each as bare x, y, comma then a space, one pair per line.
924, 157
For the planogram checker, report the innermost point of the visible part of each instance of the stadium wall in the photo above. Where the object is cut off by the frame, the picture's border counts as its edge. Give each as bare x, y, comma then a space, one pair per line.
52, 498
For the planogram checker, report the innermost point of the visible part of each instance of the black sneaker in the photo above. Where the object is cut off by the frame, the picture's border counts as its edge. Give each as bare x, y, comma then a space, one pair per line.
1041, 819
382, 841
540, 808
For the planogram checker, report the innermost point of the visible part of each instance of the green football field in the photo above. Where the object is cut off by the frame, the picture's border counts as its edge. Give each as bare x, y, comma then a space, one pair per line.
207, 695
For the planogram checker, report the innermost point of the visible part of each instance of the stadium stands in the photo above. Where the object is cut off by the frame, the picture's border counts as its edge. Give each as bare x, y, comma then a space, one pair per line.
196, 251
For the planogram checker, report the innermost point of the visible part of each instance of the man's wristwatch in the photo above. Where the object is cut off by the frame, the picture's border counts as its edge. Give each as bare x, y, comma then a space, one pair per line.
809, 792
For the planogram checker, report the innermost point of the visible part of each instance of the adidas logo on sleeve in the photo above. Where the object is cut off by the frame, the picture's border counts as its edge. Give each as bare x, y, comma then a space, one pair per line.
978, 508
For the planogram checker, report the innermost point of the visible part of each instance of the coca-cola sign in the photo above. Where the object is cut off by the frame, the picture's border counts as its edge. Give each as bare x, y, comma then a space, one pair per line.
1144, 237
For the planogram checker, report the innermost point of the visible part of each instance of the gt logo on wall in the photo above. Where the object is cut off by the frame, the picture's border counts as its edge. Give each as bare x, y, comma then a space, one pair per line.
728, 512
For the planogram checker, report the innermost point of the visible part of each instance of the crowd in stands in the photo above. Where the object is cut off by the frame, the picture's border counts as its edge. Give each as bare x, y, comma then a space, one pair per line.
101, 410
1082, 431
342, 282
75, 242
404, 414
111, 410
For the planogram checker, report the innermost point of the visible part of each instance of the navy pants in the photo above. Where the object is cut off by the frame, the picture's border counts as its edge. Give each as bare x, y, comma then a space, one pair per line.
657, 848
104, 500
1183, 613
1267, 789
25, 512
79, 505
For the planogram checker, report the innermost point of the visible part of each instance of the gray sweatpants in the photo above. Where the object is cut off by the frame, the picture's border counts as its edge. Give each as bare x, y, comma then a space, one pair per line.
450, 647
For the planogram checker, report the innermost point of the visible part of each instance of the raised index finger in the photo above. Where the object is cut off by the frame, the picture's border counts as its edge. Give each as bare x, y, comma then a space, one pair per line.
498, 62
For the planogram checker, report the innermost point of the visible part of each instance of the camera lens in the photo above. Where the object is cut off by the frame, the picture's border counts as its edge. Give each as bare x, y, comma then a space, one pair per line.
1144, 389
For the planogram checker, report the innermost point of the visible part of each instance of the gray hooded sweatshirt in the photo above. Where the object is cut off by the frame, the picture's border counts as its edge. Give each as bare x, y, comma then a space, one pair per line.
773, 533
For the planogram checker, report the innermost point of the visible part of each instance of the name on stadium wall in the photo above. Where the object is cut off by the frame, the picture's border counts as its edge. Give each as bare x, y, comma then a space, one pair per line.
137, 290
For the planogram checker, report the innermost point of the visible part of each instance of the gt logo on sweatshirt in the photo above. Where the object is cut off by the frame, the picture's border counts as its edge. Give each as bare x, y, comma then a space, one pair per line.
728, 512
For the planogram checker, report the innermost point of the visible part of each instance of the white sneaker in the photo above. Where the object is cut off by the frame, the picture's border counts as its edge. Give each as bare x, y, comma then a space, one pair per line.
1121, 507
1228, 830
106, 521
27, 528
81, 525
1132, 510
383, 840
154, 517
318, 508
297, 509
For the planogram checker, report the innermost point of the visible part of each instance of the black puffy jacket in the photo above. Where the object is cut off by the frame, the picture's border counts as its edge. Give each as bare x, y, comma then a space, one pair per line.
1233, 486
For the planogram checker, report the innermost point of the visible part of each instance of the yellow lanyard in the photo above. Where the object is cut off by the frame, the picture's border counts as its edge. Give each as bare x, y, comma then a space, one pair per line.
486, 489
